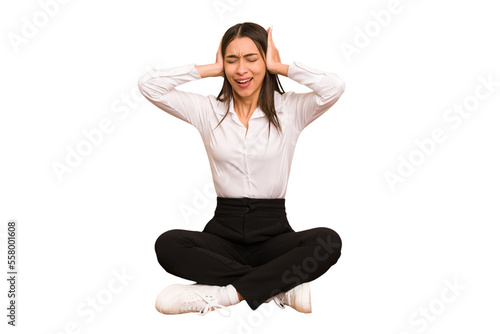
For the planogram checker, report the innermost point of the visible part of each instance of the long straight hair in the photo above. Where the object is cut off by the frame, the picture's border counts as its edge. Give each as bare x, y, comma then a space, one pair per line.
271, 81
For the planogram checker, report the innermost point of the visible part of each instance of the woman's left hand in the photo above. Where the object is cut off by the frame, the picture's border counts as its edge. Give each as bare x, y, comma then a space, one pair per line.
273, 60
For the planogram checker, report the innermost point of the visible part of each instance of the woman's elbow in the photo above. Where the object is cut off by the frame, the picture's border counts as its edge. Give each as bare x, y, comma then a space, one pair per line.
336, 90
339, 86
148, 88
141, 83
342, 86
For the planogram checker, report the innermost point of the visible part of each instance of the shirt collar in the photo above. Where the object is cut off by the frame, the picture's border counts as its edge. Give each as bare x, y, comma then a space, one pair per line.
258, 112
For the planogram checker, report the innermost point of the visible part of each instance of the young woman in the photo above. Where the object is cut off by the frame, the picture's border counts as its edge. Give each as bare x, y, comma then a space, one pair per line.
248, 250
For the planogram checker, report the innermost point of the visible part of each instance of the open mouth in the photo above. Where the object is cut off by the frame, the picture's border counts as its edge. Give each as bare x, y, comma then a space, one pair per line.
243, 81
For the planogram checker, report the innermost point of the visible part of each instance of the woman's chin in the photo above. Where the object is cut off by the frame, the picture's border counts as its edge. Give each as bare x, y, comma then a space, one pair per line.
242, 93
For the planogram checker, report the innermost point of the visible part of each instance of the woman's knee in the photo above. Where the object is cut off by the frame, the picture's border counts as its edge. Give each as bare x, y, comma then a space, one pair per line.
168, 246
329, 242
169, 241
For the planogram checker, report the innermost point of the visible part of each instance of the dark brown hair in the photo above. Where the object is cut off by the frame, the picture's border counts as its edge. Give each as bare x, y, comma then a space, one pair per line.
271, 82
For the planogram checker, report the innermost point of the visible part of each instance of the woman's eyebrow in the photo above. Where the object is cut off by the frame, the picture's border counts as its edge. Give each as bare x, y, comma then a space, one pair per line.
247, 55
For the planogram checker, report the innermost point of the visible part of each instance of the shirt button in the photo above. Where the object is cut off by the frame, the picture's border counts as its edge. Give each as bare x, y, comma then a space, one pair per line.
247, 177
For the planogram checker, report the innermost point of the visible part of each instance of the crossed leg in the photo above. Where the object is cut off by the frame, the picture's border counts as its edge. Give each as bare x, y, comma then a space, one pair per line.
277, 265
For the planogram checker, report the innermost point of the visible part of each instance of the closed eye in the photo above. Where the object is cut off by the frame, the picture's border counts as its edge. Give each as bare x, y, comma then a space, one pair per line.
253, 60
246, 57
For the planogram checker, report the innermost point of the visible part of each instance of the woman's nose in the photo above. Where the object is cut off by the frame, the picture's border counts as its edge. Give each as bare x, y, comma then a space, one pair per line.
241, 68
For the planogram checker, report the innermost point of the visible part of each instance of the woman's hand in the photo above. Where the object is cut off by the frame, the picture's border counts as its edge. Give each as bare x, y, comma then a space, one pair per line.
273, 60
219, 60
213, 70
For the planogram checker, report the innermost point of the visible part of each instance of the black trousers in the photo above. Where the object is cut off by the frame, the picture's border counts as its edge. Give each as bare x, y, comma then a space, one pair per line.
249, 244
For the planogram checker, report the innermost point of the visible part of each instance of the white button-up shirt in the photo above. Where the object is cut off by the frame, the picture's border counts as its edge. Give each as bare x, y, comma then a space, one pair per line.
245, 164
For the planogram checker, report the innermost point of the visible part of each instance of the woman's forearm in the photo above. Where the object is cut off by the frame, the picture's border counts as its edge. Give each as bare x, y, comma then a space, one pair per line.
282, 69
210, 70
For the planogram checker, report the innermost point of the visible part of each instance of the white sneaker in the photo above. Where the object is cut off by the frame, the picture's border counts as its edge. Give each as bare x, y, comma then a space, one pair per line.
298, 298
179, 298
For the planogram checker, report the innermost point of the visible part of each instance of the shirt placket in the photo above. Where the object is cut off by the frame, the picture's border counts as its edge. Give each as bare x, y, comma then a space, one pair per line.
246, 141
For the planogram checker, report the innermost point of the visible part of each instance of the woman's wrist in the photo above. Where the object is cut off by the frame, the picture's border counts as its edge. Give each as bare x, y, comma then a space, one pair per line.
280, 69
209, 70
284, 69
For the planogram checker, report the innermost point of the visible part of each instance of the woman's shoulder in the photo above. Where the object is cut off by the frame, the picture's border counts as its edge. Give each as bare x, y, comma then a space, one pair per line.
217, 105
281, 100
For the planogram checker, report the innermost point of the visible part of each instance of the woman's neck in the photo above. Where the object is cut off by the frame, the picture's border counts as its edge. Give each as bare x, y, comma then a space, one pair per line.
245, 106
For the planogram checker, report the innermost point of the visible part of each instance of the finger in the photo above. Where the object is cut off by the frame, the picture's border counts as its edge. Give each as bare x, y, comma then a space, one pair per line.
270, 38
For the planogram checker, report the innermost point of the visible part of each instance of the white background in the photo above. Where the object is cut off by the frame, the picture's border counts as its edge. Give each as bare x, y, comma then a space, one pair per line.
401, 246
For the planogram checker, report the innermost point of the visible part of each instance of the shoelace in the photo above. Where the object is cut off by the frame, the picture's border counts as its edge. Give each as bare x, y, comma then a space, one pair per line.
209, 306
280, 300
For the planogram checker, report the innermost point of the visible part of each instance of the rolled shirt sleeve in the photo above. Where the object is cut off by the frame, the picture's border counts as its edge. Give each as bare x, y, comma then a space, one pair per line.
158, 86
327, 87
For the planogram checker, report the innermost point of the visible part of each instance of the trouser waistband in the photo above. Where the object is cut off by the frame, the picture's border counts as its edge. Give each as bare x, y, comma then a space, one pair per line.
238, 204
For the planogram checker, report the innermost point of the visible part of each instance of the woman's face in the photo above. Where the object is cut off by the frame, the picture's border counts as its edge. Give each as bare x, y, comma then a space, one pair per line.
244, 67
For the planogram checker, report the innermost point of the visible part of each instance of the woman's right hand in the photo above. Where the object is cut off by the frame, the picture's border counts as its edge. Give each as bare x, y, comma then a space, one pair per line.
213, 70
219, 60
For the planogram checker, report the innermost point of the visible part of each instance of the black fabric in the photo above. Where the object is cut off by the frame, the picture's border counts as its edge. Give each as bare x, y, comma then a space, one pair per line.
250, 244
